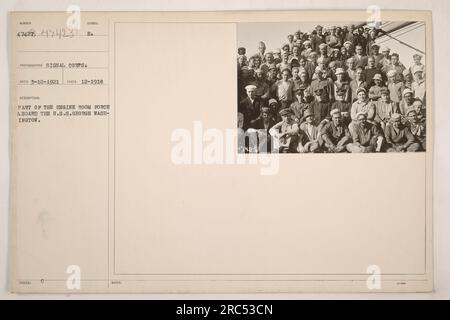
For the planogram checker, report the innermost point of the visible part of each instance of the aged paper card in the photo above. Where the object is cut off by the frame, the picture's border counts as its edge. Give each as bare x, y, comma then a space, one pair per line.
140, 160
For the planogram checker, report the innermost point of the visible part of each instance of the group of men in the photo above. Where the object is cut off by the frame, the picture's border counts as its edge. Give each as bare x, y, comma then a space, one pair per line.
331, 91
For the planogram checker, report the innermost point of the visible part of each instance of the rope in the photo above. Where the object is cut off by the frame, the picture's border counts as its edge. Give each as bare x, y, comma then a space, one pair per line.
401, 42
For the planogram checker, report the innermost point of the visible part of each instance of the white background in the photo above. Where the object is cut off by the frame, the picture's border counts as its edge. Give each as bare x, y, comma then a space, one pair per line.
441, 183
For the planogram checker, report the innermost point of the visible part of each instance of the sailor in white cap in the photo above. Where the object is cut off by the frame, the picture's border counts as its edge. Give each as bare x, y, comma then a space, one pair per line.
395, 87
250, 107
418, 86
348, 45
339, 71
407, 101
374, 91
262, 87
417, 63
407, 78
385, 51
341, 84
250, 88
323, 52
322, 63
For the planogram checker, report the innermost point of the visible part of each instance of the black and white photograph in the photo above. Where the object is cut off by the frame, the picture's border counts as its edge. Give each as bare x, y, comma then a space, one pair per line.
331, 87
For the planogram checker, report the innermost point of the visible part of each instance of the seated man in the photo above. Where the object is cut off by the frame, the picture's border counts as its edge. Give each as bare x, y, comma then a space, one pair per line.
399, 137
261, 126
420, 109
385, 108
310, 140
285, 133
364, 105
335, 134
417, 127
366, 136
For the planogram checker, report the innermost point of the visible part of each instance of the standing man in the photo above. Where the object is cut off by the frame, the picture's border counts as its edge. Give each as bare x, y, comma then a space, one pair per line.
418, 86
375, 90
262, 90
317, 38
300, 106
395, 87
320, 108
375, 52
290, 39
283, 89
295, 54
269, 62
271, 77
359, 58
322, 82
396, 65
307, 49
284, 63
357, 83
417, 63
241, 52
250, 107
261, 51
323, 54
343, 106
407, 79
332, 40
371, 70
386, 59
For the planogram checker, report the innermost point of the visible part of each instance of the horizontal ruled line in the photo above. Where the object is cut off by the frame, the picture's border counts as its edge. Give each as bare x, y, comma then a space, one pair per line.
47, 51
